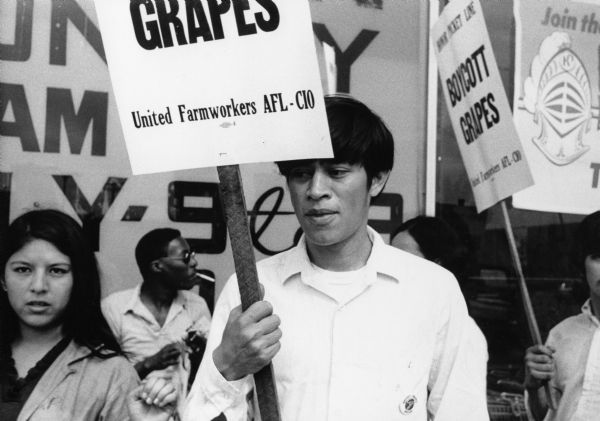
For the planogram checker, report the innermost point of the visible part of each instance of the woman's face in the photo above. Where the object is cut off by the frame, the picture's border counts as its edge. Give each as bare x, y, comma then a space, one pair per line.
38, 280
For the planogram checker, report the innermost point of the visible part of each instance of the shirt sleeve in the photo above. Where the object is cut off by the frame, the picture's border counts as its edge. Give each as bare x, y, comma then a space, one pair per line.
123, 381
457, 393
211, 393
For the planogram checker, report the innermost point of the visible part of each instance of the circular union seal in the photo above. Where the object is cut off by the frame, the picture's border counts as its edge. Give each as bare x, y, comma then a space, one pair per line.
407, 406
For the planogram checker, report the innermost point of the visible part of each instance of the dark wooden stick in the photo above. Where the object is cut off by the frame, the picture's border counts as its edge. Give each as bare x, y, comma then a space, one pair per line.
232, 196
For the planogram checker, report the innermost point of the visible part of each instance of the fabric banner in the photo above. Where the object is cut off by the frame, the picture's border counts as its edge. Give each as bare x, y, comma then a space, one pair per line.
477, 104
556, 103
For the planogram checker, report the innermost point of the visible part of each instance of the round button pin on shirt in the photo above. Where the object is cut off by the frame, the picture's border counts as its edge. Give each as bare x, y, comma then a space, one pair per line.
407, 406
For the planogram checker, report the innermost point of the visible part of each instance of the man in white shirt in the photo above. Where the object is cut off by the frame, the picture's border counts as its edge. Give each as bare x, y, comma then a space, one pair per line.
356, 329
154, 321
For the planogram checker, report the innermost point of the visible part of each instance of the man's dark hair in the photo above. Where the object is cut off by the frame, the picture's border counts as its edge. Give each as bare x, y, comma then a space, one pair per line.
358, 136
153, 245
588, 238
82, 319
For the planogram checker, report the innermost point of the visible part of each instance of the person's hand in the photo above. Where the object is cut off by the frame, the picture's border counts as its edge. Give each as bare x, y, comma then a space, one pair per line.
539, 366
167, 356
153, 400
250, 341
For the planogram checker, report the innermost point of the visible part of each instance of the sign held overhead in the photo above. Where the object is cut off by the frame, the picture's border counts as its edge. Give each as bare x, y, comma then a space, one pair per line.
206, 83
477, 104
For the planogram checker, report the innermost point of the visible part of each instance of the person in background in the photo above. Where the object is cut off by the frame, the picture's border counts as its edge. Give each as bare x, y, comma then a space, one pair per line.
159, 323
570, 358
58, 358
367, 332
435, 240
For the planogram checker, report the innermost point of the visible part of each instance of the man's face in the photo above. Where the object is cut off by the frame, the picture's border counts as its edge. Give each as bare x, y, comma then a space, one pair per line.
592, 273
331, 201
178, 272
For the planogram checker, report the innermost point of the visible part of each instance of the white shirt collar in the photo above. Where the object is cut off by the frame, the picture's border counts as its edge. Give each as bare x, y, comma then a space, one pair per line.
298, 261
136, 306
586, 309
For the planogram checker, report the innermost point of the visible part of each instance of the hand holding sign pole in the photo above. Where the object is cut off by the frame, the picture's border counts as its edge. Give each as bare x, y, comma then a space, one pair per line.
534, 330
232, 195
482, 121
192, 94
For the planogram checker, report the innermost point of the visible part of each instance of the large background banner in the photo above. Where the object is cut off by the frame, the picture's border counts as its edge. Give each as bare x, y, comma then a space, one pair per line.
477, 104
556, 103
61, 142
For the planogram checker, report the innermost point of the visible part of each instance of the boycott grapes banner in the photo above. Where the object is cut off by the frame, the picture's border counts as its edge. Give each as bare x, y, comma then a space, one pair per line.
477, 104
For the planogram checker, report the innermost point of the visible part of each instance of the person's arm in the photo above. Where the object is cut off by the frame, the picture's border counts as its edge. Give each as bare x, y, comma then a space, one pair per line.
456, 392
239, 344
167, 356
539, 367
122, 379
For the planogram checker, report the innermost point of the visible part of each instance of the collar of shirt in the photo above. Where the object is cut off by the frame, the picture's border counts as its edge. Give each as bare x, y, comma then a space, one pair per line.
377, 263
586, 309
136, 307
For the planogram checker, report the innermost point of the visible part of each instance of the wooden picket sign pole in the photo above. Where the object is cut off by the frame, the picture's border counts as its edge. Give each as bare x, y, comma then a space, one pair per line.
534, 330
232, 197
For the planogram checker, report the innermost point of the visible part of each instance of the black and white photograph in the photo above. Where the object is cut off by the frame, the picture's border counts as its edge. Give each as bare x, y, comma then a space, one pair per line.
300, 210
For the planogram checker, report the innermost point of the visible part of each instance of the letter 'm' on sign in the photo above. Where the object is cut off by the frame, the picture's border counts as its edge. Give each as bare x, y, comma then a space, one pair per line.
92, 110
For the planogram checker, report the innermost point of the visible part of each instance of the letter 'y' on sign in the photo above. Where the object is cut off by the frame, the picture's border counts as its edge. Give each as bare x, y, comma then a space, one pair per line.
477, 104
204, 83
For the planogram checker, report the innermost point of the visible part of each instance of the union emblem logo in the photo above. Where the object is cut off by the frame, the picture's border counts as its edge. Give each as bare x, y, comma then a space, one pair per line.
558, 94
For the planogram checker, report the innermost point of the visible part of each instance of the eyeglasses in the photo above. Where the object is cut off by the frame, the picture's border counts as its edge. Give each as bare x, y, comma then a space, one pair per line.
187, 256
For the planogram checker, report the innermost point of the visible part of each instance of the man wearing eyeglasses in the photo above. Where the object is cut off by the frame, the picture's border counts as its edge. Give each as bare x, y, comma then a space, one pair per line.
154, 321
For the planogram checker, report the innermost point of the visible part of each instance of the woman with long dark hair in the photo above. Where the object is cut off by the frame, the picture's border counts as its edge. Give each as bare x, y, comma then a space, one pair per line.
58, 357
